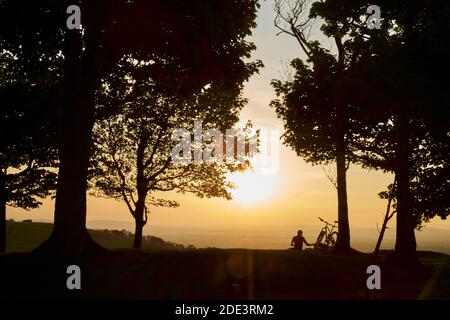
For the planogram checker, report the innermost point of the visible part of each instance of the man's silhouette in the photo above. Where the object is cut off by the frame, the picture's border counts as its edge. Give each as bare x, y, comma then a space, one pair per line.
298, 240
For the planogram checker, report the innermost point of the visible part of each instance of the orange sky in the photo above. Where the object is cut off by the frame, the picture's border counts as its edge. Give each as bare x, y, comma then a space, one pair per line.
293, 197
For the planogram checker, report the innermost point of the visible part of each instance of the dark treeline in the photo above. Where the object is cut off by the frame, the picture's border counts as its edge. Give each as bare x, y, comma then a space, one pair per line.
379, 99
183, 48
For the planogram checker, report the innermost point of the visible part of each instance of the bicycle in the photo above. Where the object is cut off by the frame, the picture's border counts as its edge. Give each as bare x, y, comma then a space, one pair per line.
327, 237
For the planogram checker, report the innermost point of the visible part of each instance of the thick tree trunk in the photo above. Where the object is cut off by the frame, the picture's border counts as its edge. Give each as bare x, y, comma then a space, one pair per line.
139, 214
69, 236
140, 222
343, 239
69, 233
137, 243
405, 242
2, 222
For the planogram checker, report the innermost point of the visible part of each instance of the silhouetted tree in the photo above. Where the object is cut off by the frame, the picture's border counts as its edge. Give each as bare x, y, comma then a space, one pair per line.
196, 42
133, 159
314, 104
27, 139
401, 69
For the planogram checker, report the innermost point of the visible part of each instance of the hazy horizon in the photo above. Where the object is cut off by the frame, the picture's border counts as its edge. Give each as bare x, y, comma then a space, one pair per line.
363, 239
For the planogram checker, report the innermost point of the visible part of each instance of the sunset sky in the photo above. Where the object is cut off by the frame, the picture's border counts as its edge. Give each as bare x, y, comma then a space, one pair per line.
274, 204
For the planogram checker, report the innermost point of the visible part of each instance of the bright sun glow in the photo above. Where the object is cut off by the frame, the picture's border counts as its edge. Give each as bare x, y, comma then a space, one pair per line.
252, 187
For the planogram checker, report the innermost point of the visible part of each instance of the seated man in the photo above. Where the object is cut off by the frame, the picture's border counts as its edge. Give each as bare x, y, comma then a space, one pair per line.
298, 240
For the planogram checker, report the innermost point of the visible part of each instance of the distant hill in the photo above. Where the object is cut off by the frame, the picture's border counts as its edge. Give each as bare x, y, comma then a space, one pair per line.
25, 236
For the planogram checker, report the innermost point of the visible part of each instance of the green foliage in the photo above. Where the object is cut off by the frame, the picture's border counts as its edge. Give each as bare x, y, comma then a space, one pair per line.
308, 110
315, 103
192, 43
28, 154
133, 147
404, 67
390, 87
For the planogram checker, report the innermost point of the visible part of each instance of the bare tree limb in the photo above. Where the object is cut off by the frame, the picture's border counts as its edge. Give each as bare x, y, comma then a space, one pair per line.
286, 20
123, 184
332, 180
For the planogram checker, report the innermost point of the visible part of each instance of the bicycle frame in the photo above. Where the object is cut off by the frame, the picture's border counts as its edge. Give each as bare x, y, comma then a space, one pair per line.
325, 235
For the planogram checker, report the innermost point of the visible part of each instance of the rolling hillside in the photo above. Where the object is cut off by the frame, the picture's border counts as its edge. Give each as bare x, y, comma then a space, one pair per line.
25, 236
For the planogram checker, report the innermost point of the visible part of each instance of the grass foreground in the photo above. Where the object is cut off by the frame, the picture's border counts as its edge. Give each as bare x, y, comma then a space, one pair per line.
222, 274
25, 236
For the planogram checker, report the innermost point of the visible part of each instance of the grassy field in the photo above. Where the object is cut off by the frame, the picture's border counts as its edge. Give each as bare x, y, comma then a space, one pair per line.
25, 236
219, 274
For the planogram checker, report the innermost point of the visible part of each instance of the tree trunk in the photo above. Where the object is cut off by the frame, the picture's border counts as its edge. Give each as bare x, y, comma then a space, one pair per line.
137, 243
343, 239
75, 122
2, 221
139, 213
140, 222
405, 243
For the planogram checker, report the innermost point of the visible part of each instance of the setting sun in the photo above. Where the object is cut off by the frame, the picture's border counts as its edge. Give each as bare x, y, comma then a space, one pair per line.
252, 187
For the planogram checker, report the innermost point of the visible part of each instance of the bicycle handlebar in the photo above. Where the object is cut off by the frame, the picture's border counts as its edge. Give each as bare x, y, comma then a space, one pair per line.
327, 222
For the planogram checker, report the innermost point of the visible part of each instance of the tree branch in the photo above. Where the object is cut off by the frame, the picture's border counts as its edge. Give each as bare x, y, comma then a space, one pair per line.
123, 185
155, 147
333, 181
293, 28
164, 167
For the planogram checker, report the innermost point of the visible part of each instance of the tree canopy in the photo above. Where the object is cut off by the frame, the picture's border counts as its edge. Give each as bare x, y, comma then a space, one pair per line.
400, 75
195, 42
134, 148
28, 154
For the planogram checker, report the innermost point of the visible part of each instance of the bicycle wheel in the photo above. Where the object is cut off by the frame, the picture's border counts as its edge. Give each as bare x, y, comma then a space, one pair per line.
319, 240
331, 240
